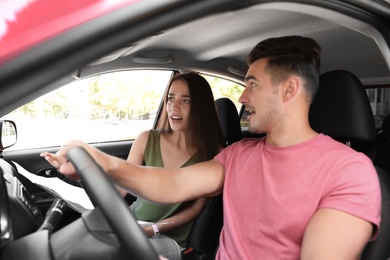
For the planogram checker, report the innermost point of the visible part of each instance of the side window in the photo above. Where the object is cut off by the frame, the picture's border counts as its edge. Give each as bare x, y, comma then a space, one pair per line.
380, 103
225, 88
229, 89
108, 107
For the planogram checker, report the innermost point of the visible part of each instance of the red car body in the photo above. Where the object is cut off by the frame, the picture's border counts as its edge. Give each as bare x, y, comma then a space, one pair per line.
28, 23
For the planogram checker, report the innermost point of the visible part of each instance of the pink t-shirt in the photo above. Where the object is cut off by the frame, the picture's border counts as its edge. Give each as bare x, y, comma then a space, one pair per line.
270, 193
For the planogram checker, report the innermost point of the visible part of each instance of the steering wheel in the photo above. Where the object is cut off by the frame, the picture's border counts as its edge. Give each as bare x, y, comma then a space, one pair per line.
105, 196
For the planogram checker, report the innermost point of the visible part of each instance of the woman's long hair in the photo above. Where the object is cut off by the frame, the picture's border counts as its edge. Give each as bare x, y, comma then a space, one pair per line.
204, 137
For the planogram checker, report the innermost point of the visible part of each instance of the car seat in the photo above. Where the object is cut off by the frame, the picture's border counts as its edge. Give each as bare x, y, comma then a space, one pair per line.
229, 120
341, 109
204, 236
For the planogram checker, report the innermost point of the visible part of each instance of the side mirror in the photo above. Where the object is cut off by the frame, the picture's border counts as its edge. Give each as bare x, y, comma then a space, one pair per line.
8, 134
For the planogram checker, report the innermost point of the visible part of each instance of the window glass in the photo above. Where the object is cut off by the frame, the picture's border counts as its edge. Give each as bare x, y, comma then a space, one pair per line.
108, 107
380, 103
225, 88
231, 90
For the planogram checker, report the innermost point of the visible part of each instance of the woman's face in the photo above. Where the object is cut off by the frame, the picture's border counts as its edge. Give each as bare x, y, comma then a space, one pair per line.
178, 105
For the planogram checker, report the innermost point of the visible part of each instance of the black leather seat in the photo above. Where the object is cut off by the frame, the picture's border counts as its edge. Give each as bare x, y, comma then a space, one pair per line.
229, 120
204, 236
342, 110
386, 127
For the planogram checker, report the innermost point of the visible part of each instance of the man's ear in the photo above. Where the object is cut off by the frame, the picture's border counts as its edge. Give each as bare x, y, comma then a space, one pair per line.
291, 88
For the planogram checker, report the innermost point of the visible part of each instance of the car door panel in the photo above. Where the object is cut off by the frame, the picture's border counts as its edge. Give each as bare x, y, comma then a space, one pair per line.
31, 160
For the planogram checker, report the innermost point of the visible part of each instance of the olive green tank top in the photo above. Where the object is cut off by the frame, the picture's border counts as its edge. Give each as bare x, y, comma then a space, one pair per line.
152, 212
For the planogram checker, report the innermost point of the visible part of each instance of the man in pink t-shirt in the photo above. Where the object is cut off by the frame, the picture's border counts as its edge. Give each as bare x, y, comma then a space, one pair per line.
269, 202
294, 194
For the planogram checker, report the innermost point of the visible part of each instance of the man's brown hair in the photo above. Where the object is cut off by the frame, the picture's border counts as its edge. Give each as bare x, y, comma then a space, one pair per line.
290, 55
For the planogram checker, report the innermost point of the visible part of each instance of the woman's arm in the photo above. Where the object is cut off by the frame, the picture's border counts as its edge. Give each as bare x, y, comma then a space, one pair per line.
180, 218
136, 154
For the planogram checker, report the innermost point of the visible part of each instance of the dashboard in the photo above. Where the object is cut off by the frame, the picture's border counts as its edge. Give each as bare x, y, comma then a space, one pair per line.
19, 211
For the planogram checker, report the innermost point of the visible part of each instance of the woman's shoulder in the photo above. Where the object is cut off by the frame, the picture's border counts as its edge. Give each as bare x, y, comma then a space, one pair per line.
147, 133
144, 136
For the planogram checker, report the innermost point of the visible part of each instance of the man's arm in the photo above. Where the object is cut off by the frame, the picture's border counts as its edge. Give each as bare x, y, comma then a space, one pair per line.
159, 185
333, 234
162, 185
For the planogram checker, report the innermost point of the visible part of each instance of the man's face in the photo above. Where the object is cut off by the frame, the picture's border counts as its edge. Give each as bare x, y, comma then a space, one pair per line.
261, 98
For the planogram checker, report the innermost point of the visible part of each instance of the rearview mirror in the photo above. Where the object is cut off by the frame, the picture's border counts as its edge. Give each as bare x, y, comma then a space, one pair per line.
8, 134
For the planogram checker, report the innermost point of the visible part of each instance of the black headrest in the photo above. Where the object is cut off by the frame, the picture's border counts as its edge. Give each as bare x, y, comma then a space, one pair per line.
229, 120
386, 126
341, 109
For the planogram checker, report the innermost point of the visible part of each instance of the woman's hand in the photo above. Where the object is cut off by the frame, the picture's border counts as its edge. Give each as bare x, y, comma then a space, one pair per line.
148, 230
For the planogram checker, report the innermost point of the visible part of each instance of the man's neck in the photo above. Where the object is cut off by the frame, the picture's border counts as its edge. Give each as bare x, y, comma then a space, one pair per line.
289, 138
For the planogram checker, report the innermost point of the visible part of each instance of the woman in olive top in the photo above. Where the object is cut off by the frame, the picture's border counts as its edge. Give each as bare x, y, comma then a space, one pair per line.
188, 132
